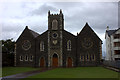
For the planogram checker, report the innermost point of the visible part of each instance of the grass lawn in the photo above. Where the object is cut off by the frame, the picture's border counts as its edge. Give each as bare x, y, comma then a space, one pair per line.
79, 72
14, 70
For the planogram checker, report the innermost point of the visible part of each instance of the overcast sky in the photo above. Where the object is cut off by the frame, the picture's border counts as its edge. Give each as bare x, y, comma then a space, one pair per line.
16, 15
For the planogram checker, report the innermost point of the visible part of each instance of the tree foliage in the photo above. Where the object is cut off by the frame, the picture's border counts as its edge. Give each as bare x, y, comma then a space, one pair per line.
8, 46
8, 52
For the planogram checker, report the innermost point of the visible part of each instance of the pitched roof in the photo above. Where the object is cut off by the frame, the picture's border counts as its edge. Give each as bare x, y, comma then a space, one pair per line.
69, 32
87, 26
110, 32
34, 33
42, 34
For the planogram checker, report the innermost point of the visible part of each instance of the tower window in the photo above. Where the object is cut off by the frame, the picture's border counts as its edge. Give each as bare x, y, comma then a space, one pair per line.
21, 58
54, 24
55, 35
69, 45
42, 46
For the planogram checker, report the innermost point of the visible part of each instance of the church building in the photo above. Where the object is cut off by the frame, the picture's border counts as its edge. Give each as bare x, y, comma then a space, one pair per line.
57, 47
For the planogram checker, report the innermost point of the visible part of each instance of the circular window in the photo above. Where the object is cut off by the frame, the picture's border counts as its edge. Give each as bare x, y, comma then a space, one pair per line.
87, 43
55, 35
26, 45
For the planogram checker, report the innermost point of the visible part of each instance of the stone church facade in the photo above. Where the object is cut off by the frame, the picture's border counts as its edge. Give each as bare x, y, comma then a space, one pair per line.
57, 47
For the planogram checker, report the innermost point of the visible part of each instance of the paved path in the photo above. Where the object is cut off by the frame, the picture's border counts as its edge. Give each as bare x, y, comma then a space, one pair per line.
115, 69
25, 75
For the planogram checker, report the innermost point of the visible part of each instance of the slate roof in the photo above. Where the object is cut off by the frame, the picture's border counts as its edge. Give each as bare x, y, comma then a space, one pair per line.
110, 32
34, 33
68, 32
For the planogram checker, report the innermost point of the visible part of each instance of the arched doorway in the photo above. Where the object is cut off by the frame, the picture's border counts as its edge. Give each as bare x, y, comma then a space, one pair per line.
69, 62
42, 62
55, 60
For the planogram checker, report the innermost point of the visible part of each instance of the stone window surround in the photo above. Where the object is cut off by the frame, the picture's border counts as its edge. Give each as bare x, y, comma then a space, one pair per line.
92, 58
20, 58
69, 45
31, 56
41, 46
54, 24
87, 57
25, 57
81, 58
56, 34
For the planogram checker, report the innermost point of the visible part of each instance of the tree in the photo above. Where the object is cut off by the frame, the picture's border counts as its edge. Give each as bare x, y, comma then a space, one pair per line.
8, 52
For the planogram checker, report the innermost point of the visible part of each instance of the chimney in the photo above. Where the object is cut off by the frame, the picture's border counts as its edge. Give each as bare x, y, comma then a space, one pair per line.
107, 28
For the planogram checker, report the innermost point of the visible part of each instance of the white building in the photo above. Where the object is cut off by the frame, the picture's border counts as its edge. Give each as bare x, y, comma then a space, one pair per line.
112, 44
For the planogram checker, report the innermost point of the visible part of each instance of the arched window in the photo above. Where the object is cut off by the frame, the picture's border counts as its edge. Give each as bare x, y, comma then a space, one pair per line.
41, 46
31, 58
69, 45
26, 57
54, 24
87, 57
93, 57
81, 58
21, 58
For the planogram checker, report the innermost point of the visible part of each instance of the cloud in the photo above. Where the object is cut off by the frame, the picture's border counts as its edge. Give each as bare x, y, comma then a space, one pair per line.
16, 15
43, 9
98, 15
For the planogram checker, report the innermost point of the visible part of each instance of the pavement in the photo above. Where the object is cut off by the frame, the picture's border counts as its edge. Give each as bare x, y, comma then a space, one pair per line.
115, 69
24, 75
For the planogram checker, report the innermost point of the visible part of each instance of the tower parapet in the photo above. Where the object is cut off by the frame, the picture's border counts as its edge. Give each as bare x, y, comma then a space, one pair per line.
56, 19
60, 14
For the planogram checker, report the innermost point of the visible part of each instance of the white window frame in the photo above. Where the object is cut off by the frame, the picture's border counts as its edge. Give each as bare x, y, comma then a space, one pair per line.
31, 56
25, 58
20, 58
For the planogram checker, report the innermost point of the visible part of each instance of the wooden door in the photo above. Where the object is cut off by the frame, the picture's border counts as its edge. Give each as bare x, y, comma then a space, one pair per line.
42, 62
55, 60
69, 62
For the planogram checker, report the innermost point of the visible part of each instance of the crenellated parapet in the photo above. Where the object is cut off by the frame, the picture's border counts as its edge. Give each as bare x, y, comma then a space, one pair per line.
60, 14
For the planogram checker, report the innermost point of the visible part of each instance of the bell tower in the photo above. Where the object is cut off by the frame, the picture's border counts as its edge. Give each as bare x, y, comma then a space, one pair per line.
55, 28
55, 21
